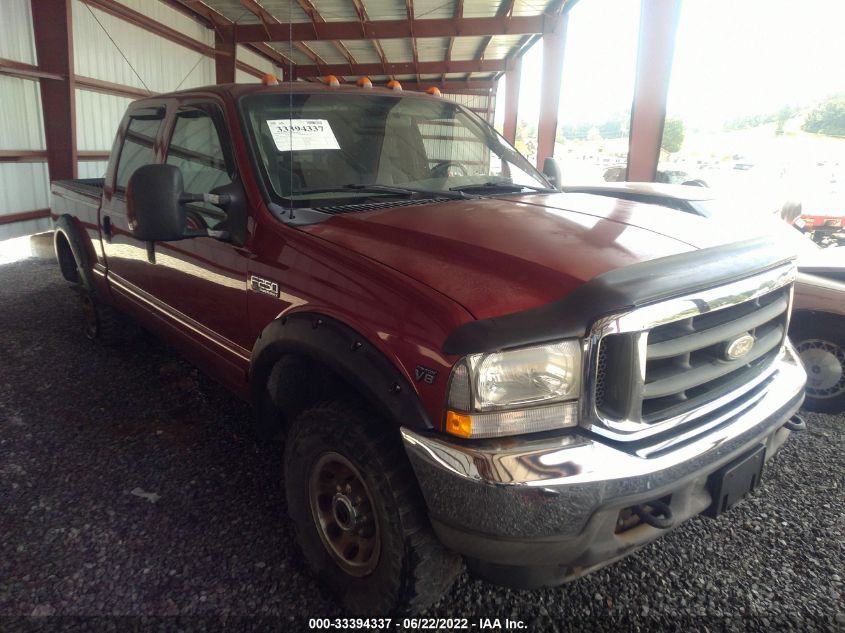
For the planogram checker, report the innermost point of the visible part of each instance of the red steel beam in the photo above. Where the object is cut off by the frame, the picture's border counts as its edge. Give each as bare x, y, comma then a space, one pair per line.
404, 68
225, 59
268, 21
409, 10
23, 156
250, 70
505, 10
387, 29
53, 29
553, 47
459, 13
454, 86
26, 71
513, 77
109, 88
363, 19
11, 218
211, 19
316, 18
94, 155
658, 26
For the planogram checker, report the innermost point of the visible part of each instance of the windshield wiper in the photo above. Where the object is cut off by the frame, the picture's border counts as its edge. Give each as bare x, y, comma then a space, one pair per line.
382, 189
501, 187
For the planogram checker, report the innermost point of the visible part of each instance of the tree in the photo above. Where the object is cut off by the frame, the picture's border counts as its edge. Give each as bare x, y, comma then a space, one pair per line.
526, 139
673, 135
827, 118
783, 115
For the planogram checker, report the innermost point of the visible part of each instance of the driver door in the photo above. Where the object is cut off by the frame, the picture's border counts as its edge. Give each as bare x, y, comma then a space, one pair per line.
200, 283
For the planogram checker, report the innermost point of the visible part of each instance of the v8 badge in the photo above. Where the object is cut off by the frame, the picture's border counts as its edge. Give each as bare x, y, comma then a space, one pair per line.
426, 375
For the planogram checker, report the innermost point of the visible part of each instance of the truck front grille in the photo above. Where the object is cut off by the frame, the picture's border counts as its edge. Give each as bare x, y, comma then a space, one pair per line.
675, 369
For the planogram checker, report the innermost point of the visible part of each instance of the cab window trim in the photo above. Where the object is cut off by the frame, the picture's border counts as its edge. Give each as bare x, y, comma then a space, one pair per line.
145, 113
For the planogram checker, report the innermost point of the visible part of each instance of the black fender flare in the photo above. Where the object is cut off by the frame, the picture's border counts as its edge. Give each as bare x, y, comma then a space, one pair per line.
347, 353
66, 227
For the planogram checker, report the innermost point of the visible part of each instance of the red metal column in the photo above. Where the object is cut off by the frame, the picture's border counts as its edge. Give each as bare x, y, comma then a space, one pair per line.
553, 47
53, 29
513, 78
658, 26
225, 58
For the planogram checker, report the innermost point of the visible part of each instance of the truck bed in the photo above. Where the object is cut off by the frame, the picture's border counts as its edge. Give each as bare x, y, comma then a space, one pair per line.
86, 186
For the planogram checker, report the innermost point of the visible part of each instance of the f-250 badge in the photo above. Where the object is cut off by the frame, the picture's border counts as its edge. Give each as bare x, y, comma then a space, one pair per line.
264, 286
426, 375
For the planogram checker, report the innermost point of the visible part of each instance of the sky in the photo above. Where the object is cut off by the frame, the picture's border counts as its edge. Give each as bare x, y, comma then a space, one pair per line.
732, 58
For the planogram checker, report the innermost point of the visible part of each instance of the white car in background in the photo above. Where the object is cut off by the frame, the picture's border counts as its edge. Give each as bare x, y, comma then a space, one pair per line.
818, 319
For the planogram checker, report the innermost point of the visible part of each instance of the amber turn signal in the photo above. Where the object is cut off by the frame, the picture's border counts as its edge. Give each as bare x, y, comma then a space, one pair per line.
459, 424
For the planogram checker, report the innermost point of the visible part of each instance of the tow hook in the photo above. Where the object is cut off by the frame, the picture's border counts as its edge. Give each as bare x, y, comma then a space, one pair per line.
796, 423
656, 514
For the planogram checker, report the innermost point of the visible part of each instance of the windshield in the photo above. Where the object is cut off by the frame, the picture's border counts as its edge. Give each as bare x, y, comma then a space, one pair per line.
315, 148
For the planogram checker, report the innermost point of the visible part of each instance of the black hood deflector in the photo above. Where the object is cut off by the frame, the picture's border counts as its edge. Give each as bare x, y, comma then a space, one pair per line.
618, 291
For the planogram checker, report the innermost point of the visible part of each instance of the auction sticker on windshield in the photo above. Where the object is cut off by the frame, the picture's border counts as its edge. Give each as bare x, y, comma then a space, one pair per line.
296, 135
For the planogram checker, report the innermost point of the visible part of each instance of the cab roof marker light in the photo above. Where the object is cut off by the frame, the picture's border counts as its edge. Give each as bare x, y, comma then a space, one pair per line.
332, 81
364, 82
269, 79
394, 85
434, 91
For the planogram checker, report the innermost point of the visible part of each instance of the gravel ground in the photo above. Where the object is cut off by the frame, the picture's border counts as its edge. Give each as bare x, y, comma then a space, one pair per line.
131, 485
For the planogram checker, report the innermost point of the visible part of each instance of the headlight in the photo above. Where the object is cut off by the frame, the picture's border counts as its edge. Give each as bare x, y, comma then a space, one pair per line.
519, 391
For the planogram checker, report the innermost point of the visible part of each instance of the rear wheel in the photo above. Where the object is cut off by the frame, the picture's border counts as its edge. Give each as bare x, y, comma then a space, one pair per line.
358, 514
820, 343
101, 322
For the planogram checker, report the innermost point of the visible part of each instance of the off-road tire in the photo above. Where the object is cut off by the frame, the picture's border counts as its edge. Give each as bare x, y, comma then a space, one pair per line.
413, 570
826, 334
102, 323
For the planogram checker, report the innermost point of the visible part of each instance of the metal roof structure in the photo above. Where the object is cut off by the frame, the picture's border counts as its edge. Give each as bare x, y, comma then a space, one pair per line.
454, 44
54, 56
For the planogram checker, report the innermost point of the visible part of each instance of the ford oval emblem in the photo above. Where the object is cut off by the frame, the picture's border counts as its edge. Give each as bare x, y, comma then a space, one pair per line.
739, 347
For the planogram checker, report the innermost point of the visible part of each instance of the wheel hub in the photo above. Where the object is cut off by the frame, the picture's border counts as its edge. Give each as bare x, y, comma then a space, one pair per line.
825, 365
344, 512
90, 316
341, 506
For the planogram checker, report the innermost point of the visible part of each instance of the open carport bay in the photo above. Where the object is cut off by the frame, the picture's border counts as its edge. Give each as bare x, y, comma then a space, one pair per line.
130, 484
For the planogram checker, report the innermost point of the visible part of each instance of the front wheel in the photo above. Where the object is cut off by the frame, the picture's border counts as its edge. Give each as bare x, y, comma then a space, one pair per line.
358, 514
820, 343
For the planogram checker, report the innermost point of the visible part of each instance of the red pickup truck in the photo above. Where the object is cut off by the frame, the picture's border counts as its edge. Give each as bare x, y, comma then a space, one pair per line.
464, 361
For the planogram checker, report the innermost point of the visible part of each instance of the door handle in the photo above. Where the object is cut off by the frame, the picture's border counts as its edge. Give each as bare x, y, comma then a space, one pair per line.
107, 227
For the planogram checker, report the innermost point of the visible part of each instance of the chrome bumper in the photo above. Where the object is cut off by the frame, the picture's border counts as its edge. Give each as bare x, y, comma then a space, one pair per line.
546, 501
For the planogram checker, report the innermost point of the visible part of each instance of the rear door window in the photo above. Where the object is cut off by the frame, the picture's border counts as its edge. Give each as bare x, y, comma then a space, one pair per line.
137, 149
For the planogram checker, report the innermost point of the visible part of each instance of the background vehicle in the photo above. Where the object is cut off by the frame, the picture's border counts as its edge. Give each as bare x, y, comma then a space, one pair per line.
824, 219
818, 323
618, 173
448, 344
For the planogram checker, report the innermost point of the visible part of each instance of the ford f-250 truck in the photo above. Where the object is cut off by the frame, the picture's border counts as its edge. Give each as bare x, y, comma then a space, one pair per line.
464, 361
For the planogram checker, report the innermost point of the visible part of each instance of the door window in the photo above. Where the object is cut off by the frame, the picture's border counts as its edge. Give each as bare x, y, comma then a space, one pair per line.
196, 149
137, 148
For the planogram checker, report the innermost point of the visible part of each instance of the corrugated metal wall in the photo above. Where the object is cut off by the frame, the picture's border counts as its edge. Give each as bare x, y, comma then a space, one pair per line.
172, 66
151, 63
256, 61
161, 65
23, 186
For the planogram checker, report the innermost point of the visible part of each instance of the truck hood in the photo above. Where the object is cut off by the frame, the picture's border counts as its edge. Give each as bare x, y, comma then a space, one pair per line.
506, 254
